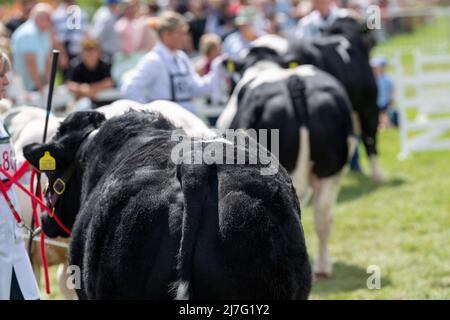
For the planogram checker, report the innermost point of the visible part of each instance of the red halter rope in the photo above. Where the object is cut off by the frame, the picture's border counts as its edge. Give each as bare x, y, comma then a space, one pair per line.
35, 201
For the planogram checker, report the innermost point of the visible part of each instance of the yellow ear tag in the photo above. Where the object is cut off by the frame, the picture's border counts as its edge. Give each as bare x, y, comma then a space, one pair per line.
230, 67
47, 162
293, 65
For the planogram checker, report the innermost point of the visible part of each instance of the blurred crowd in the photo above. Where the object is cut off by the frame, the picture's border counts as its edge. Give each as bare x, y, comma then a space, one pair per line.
97, 51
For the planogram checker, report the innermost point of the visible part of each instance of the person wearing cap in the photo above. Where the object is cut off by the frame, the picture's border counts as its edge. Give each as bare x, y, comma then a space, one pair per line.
385, 90
237, 44
103, 29
91, 74
166, 73
324, 13
17, 281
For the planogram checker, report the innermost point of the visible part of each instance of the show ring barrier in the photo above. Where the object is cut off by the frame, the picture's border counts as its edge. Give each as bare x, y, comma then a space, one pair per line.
423, 101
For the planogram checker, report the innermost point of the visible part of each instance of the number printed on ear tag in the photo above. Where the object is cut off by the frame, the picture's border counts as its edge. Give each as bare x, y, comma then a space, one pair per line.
230, 66
47, 162
293, 65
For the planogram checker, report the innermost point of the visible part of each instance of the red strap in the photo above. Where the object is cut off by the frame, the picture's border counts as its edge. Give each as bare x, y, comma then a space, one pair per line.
42, 239
8, 201
45, 264
18, 175
35, 200
3, 189
39, 201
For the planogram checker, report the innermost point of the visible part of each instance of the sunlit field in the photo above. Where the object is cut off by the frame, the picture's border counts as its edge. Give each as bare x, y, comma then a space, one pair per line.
401, 226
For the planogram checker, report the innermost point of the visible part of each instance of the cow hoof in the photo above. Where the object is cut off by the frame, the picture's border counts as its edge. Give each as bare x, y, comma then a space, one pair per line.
319, 276
379, 178
323, 268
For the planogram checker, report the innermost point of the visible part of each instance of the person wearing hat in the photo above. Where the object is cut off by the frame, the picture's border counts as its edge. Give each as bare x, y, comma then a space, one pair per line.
166, 73
237, 44
91, 74
17, 281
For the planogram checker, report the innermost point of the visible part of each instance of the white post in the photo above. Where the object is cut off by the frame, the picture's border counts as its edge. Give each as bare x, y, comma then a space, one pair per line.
400, 100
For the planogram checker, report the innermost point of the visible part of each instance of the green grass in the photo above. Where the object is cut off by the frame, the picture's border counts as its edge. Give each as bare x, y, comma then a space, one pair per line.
433, 36
401, 226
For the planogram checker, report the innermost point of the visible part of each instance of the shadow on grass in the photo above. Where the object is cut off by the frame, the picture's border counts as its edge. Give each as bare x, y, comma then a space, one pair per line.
346, 278
362, 185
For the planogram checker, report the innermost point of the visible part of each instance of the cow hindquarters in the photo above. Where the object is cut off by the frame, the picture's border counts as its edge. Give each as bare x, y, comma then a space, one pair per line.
325, 195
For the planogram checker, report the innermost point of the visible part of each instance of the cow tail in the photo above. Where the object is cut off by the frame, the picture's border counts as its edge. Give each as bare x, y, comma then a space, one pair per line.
195, 186
297, 90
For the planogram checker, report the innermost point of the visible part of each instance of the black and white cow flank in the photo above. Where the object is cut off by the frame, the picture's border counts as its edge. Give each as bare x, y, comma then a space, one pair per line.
145, 227
343, 51
312, 112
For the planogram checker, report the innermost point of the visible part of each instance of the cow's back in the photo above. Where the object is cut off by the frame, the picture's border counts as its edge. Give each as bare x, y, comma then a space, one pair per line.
345, 59
268, 105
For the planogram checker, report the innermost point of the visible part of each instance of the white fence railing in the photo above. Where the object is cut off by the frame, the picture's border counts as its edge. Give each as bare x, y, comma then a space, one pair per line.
423, 100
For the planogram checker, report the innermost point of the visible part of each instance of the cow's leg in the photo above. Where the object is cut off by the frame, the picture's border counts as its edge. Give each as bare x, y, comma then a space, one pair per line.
62, 277
369, 128
300, 175
377, 173
356, 124
325, 195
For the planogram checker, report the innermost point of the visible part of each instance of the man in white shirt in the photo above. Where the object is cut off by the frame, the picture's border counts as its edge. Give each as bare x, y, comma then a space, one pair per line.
166, 73
323, 15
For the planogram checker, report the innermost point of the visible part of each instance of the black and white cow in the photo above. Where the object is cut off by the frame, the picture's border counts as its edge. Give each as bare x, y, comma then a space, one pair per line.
313, 114
146, 227
343, 52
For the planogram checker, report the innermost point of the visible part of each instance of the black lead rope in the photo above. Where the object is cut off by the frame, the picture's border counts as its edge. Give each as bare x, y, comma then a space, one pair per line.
55, 55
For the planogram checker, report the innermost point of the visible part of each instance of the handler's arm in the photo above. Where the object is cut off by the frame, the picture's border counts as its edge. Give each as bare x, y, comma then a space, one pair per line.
141, 81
